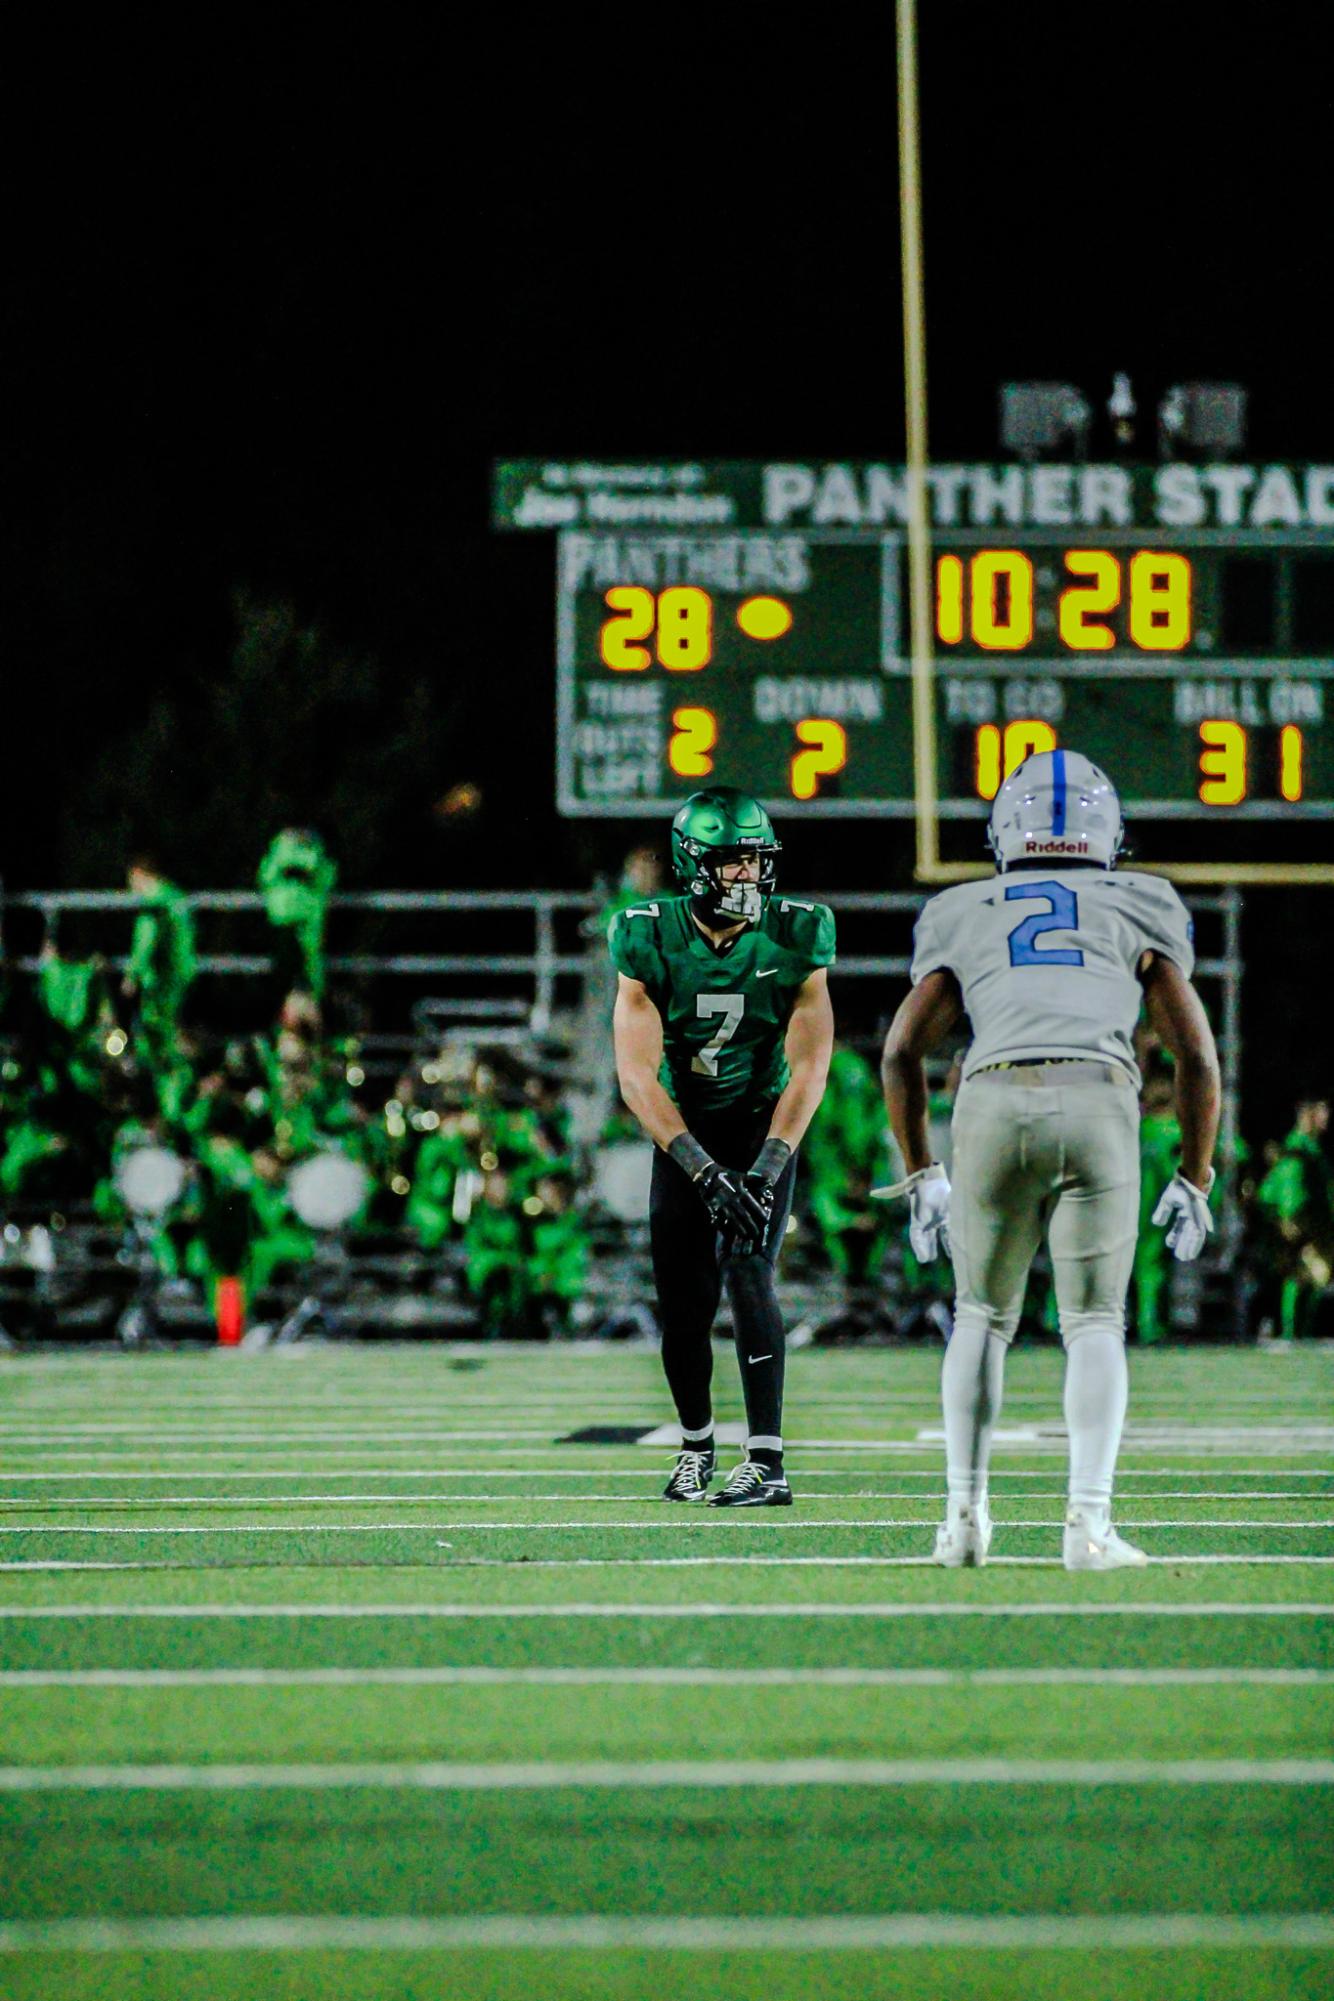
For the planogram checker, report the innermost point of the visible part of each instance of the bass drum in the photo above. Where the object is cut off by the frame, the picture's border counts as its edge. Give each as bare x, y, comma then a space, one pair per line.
149, 1179
327, 1190
621, 1176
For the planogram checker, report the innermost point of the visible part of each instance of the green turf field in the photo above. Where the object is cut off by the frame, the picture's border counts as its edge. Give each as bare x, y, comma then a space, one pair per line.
347, 1672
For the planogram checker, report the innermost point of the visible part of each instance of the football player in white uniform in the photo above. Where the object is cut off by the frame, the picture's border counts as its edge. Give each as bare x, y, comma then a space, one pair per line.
1051, 960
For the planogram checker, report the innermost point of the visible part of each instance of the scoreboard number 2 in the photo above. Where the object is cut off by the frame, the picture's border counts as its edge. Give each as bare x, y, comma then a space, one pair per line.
694, 735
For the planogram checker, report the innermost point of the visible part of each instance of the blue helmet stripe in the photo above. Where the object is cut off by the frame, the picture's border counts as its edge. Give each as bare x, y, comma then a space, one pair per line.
1058, 792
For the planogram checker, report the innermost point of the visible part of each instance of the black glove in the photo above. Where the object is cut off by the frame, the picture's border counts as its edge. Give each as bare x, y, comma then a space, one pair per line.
732, 1205
765, 1172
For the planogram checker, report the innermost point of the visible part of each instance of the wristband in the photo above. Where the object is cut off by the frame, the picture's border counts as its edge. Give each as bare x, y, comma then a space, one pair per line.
772, 1158
689, 1155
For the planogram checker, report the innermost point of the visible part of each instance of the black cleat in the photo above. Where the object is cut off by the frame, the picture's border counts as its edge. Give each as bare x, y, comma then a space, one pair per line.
754, 1485
690, 1476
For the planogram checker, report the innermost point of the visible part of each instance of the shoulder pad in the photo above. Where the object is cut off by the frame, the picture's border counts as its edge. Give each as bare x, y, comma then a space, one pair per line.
634, 939
805, 928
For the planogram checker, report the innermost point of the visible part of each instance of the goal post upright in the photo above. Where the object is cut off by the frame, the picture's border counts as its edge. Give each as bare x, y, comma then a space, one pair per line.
928, 867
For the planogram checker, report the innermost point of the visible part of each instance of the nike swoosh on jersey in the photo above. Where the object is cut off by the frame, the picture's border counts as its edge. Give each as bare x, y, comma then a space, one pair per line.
766, 973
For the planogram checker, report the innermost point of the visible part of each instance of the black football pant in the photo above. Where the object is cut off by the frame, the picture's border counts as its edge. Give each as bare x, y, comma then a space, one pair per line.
691, 1265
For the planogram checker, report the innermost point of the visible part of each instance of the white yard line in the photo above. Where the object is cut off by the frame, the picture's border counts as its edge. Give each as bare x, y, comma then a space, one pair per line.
924, 1561
1137, 1434
637, 1476
650, 1476
663, 1677
594, 1609
75, 1563
615, 1775
900, 1931
919, 1562
674, 1520
128, 1504
190, 1456
202, 1435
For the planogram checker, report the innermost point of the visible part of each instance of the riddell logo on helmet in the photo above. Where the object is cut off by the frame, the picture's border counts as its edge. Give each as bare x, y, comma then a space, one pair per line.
1033, 846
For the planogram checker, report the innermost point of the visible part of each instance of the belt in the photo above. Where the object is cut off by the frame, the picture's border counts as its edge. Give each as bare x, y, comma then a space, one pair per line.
1032, 1070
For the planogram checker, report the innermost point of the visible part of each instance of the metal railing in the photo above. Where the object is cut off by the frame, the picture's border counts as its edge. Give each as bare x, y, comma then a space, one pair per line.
540, 963
548, 943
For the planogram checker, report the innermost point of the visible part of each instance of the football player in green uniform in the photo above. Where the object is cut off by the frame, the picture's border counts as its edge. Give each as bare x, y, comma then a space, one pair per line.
723, 1032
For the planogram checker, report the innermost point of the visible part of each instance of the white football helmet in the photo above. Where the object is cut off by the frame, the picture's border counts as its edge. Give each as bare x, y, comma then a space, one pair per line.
1056, 806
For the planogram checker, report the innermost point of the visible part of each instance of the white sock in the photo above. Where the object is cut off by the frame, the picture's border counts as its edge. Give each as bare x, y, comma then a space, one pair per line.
1097, 1384
970, 1395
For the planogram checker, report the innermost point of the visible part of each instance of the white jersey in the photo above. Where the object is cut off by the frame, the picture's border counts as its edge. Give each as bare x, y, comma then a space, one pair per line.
1047, 959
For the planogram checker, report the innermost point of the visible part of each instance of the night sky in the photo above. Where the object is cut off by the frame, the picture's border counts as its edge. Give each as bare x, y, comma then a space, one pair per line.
271, 312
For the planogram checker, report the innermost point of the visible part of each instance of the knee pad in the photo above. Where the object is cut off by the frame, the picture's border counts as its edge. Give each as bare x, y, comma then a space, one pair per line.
1002, 1322
1075, 1324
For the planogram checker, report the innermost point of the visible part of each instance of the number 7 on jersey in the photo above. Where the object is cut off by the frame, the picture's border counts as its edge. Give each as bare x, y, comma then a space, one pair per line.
730, 1008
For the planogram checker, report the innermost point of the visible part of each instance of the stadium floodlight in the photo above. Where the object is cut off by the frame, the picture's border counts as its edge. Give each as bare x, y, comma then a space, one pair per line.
1203, 418
1040, 419
1122, 410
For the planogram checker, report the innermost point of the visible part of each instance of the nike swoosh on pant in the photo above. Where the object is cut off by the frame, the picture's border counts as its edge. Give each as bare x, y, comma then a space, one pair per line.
759, 1358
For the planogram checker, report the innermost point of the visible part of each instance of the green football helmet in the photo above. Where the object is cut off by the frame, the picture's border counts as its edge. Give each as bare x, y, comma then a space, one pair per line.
713, 828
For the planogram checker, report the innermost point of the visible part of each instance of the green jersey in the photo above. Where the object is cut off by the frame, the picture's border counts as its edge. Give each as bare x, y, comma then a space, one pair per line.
724, 1012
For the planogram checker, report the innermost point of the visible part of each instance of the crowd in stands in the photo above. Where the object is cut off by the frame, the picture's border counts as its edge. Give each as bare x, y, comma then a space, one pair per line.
485, 1155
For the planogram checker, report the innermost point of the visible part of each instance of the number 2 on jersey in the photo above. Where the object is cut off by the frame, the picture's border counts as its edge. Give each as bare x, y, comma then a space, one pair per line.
1063, 916
730, 1007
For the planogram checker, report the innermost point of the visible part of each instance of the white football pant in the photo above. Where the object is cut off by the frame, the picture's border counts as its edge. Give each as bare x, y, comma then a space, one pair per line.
1042, 1150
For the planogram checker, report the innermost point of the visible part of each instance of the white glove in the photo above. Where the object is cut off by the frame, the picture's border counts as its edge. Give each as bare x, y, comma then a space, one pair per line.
928, 1192
1184, 1209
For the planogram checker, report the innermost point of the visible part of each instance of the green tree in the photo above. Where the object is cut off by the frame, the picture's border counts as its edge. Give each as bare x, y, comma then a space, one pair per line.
297, 730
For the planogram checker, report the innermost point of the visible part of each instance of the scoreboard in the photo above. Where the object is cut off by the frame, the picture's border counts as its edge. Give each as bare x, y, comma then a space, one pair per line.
1198, 667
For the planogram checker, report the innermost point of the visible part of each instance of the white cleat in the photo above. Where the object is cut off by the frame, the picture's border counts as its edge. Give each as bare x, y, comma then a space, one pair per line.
1091, 1543
964, 1537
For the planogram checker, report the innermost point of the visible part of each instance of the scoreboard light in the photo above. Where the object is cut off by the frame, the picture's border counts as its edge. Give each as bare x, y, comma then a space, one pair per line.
998, 587
1222, 763
1223, 767
826, 753
1197, 668
695, 732
680, 619
764, 618
1290, 755
995, 755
